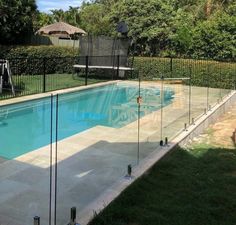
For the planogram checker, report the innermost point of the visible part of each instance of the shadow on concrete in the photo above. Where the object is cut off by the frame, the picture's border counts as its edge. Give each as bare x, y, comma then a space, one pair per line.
81, 178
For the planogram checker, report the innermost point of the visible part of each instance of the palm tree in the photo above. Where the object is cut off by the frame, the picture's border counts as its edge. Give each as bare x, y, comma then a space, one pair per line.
72, 16
58, 15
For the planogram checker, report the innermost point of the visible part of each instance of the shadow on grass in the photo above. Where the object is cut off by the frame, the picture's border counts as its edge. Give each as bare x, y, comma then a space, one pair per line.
187, 187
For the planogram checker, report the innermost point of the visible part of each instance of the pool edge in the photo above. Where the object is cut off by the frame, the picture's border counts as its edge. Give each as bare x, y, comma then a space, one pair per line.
48, 94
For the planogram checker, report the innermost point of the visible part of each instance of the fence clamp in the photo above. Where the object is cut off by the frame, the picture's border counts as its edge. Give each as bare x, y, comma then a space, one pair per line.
166, 141
185, 127
139, 100
129, 176
161, 143
36, 220
73, 216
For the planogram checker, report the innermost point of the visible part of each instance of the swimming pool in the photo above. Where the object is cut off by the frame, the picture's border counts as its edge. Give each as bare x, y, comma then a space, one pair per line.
25, 127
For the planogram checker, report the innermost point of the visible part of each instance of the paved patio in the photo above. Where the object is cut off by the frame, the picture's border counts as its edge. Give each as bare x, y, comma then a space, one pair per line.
91, 161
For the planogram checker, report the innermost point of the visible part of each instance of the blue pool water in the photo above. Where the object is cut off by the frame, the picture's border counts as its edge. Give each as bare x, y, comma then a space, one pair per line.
25, 127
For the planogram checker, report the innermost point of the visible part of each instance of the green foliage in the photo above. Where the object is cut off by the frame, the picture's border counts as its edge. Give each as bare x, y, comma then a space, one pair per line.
39, 52
189, 28
216, 38
203, 73
42, 19
149, 22
187, 187
231, 9
94, 19
16, 18
31, 59
181, 40
33, 84
199, 28
70, 16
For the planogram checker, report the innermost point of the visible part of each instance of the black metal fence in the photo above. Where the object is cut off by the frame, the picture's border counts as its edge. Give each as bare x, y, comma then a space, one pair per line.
39, 75
203, 72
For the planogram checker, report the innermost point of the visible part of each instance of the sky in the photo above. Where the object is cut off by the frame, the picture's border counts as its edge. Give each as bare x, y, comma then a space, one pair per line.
47, 5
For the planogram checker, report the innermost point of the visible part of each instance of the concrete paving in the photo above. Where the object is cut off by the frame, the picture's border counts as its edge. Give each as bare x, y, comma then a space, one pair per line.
90, 162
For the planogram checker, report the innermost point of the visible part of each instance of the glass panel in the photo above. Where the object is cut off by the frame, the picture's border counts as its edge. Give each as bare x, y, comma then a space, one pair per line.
97, 140
176, 106
25, 130
213, 76
228, 84
176, 111
150, 116
199, 89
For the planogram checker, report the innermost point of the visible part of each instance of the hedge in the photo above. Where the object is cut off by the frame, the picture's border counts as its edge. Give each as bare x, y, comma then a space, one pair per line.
32, 60
203, 73
35, 60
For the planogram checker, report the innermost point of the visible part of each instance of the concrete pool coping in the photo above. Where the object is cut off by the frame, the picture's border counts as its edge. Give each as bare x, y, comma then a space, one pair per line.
146, 164
48, 94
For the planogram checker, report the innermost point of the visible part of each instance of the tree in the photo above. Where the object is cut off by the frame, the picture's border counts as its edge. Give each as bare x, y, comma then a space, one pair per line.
200, 28
16, 20
58, 15
149, 22
42, 19
181, 39
215, 38
94, 19
72, 16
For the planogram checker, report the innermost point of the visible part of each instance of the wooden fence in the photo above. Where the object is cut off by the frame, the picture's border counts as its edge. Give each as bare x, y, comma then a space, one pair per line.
49, 40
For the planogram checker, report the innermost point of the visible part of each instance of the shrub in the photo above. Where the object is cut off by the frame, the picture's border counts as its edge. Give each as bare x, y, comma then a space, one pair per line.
39, 52
51, 59
40, 59
213, 73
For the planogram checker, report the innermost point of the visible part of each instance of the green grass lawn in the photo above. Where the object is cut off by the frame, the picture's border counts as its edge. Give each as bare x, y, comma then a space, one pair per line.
61, 81
195, 186
32, 84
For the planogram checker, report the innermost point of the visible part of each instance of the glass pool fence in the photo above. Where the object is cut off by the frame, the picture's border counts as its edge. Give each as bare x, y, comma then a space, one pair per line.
70, 150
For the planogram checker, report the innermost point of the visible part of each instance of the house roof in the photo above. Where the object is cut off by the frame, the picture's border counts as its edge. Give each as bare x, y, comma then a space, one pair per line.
60, 28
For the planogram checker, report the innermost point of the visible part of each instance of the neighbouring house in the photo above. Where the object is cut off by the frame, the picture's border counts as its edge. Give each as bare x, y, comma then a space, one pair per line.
61, 30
